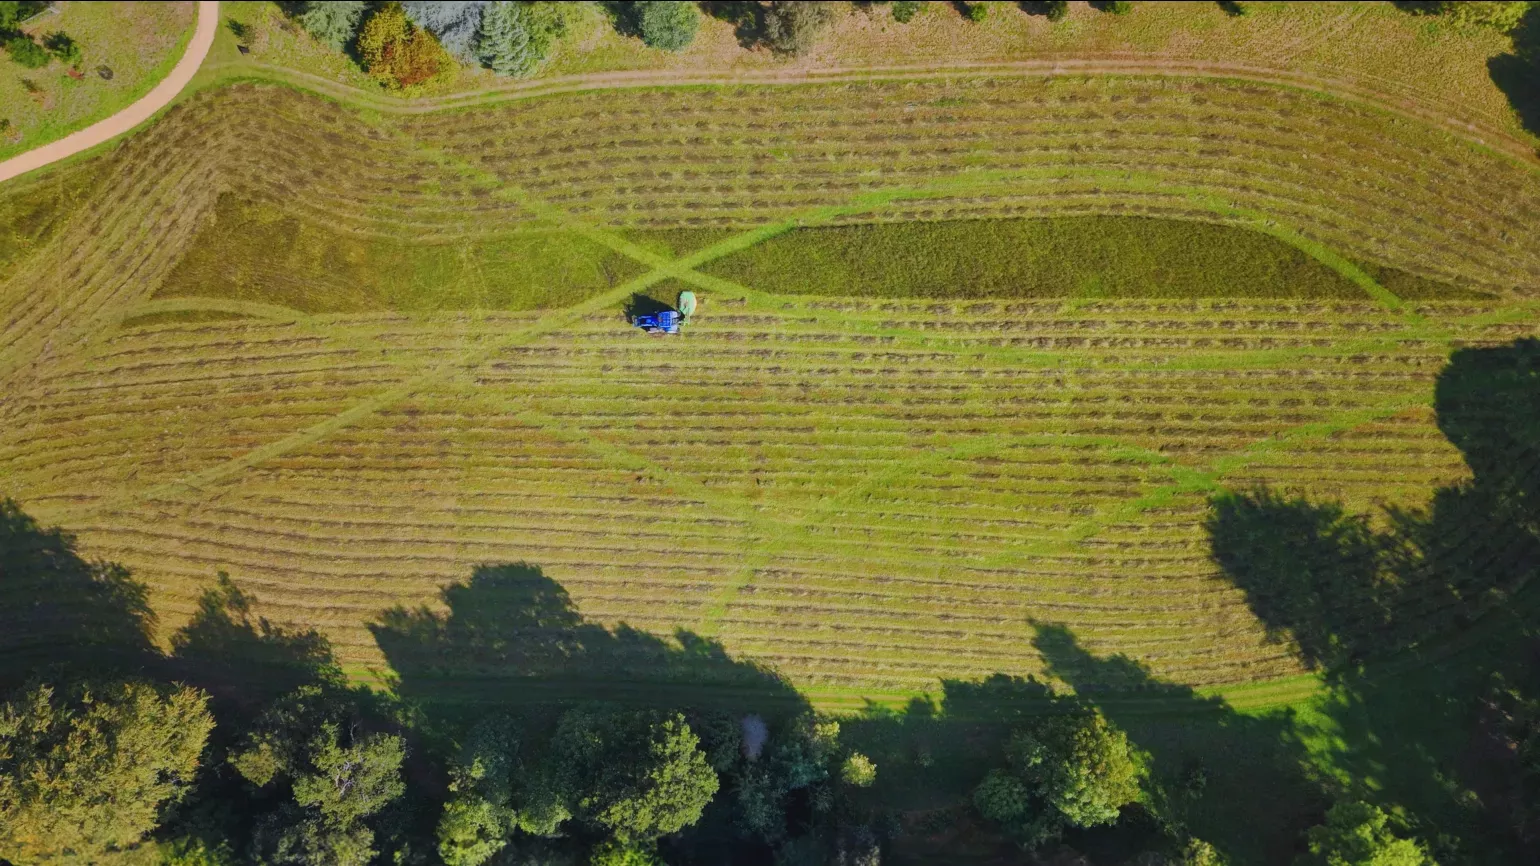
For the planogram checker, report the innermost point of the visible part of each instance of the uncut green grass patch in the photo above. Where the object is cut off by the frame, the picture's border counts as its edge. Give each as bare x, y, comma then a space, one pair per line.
1068, 257
677, 243
256, 252
179, 317
32, 213
1411, 287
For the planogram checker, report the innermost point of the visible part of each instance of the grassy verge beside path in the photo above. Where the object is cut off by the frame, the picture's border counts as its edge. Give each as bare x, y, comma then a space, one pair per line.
137, 43
1369, 49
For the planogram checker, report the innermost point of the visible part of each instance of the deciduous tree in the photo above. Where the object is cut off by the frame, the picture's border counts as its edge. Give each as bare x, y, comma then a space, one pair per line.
479, 816
635, 775
338, 777
1503, 15
905, 10
87, 771
25, 52
1072, 770
60, 45
794, 26
1358, 834
399, 55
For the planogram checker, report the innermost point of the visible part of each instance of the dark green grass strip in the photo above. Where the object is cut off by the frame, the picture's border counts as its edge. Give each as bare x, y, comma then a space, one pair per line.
179, 316
32, 213
256, 252
1411, 287
1066, 257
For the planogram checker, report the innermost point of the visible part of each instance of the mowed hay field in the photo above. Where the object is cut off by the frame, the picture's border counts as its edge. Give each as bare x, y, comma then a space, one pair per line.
348, 357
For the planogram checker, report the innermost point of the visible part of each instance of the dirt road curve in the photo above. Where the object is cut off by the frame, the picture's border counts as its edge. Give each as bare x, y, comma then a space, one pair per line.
132, 116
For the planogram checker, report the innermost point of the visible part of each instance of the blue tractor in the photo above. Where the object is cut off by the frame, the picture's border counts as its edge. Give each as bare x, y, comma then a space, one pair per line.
667, 321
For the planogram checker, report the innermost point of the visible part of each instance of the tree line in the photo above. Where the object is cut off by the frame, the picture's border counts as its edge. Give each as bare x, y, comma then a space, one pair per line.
245, 743
405, 45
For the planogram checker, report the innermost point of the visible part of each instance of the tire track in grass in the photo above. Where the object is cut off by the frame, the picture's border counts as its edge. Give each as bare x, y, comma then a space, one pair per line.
195, 487
760, 557
198, 485
685, 269
970, 448
1187, 480
766, 535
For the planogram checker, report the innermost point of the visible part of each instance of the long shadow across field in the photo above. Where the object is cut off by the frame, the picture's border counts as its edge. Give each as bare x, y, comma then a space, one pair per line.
245, 661
1411, 624
64, 615
512, 636
1408, 624
1240, 782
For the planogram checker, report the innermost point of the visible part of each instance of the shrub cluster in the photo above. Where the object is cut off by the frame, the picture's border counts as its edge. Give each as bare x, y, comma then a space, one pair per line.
416, 44
26, 51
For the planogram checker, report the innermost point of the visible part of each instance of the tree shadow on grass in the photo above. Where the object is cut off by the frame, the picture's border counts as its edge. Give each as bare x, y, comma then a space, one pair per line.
746, 16
1405, 624
244, 661
625, 17
247, 664
65, 617
1311, 573
1410, 624
511, 637
510, 641
1517, 74
1238, 781
61, 613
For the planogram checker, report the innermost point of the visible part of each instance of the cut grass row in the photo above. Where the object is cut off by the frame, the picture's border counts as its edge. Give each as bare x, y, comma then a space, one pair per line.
274, 143
746, 447
416, 456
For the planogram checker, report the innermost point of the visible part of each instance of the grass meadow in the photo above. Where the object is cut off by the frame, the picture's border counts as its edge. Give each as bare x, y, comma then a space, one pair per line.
932, 397
992, 378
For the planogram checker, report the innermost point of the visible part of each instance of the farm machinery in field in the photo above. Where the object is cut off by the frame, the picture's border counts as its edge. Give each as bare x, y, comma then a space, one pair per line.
666, 321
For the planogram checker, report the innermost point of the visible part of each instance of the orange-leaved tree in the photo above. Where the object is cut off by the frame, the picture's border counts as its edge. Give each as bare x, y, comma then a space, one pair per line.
399, 54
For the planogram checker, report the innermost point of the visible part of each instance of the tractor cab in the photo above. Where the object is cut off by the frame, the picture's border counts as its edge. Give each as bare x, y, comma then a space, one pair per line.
666, 322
